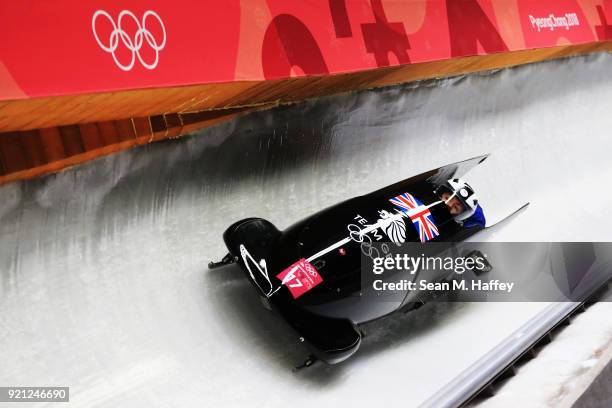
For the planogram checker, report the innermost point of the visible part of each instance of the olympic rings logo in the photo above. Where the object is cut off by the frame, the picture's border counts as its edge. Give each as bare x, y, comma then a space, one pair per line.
132, 44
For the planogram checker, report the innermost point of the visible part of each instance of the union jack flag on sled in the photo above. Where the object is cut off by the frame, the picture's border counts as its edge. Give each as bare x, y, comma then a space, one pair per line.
419, 214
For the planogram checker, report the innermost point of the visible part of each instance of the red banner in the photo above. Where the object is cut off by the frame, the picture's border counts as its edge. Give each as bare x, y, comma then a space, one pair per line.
68, 47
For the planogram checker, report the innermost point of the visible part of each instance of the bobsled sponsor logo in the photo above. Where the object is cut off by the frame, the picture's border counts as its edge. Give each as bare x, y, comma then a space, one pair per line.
360, 232
119, 37
419, 215
552, 22
300, 278
395, 228
261, 277
364, 234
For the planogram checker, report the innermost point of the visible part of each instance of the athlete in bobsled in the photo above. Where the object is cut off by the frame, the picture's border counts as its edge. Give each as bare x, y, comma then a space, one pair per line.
310, 273
462, 203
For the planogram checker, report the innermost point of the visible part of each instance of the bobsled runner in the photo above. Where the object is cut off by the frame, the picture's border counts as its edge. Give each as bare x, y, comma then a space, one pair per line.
310, 273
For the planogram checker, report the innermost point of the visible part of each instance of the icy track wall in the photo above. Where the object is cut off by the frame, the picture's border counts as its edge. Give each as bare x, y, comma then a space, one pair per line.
104, 284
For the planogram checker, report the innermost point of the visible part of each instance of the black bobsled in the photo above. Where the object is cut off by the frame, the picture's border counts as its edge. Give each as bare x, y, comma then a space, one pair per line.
324, 251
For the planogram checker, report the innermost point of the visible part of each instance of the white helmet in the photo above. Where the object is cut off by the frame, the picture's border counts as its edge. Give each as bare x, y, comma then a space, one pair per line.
464, 193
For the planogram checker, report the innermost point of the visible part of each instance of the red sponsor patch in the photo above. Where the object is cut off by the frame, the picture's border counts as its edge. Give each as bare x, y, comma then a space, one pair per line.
300, 277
